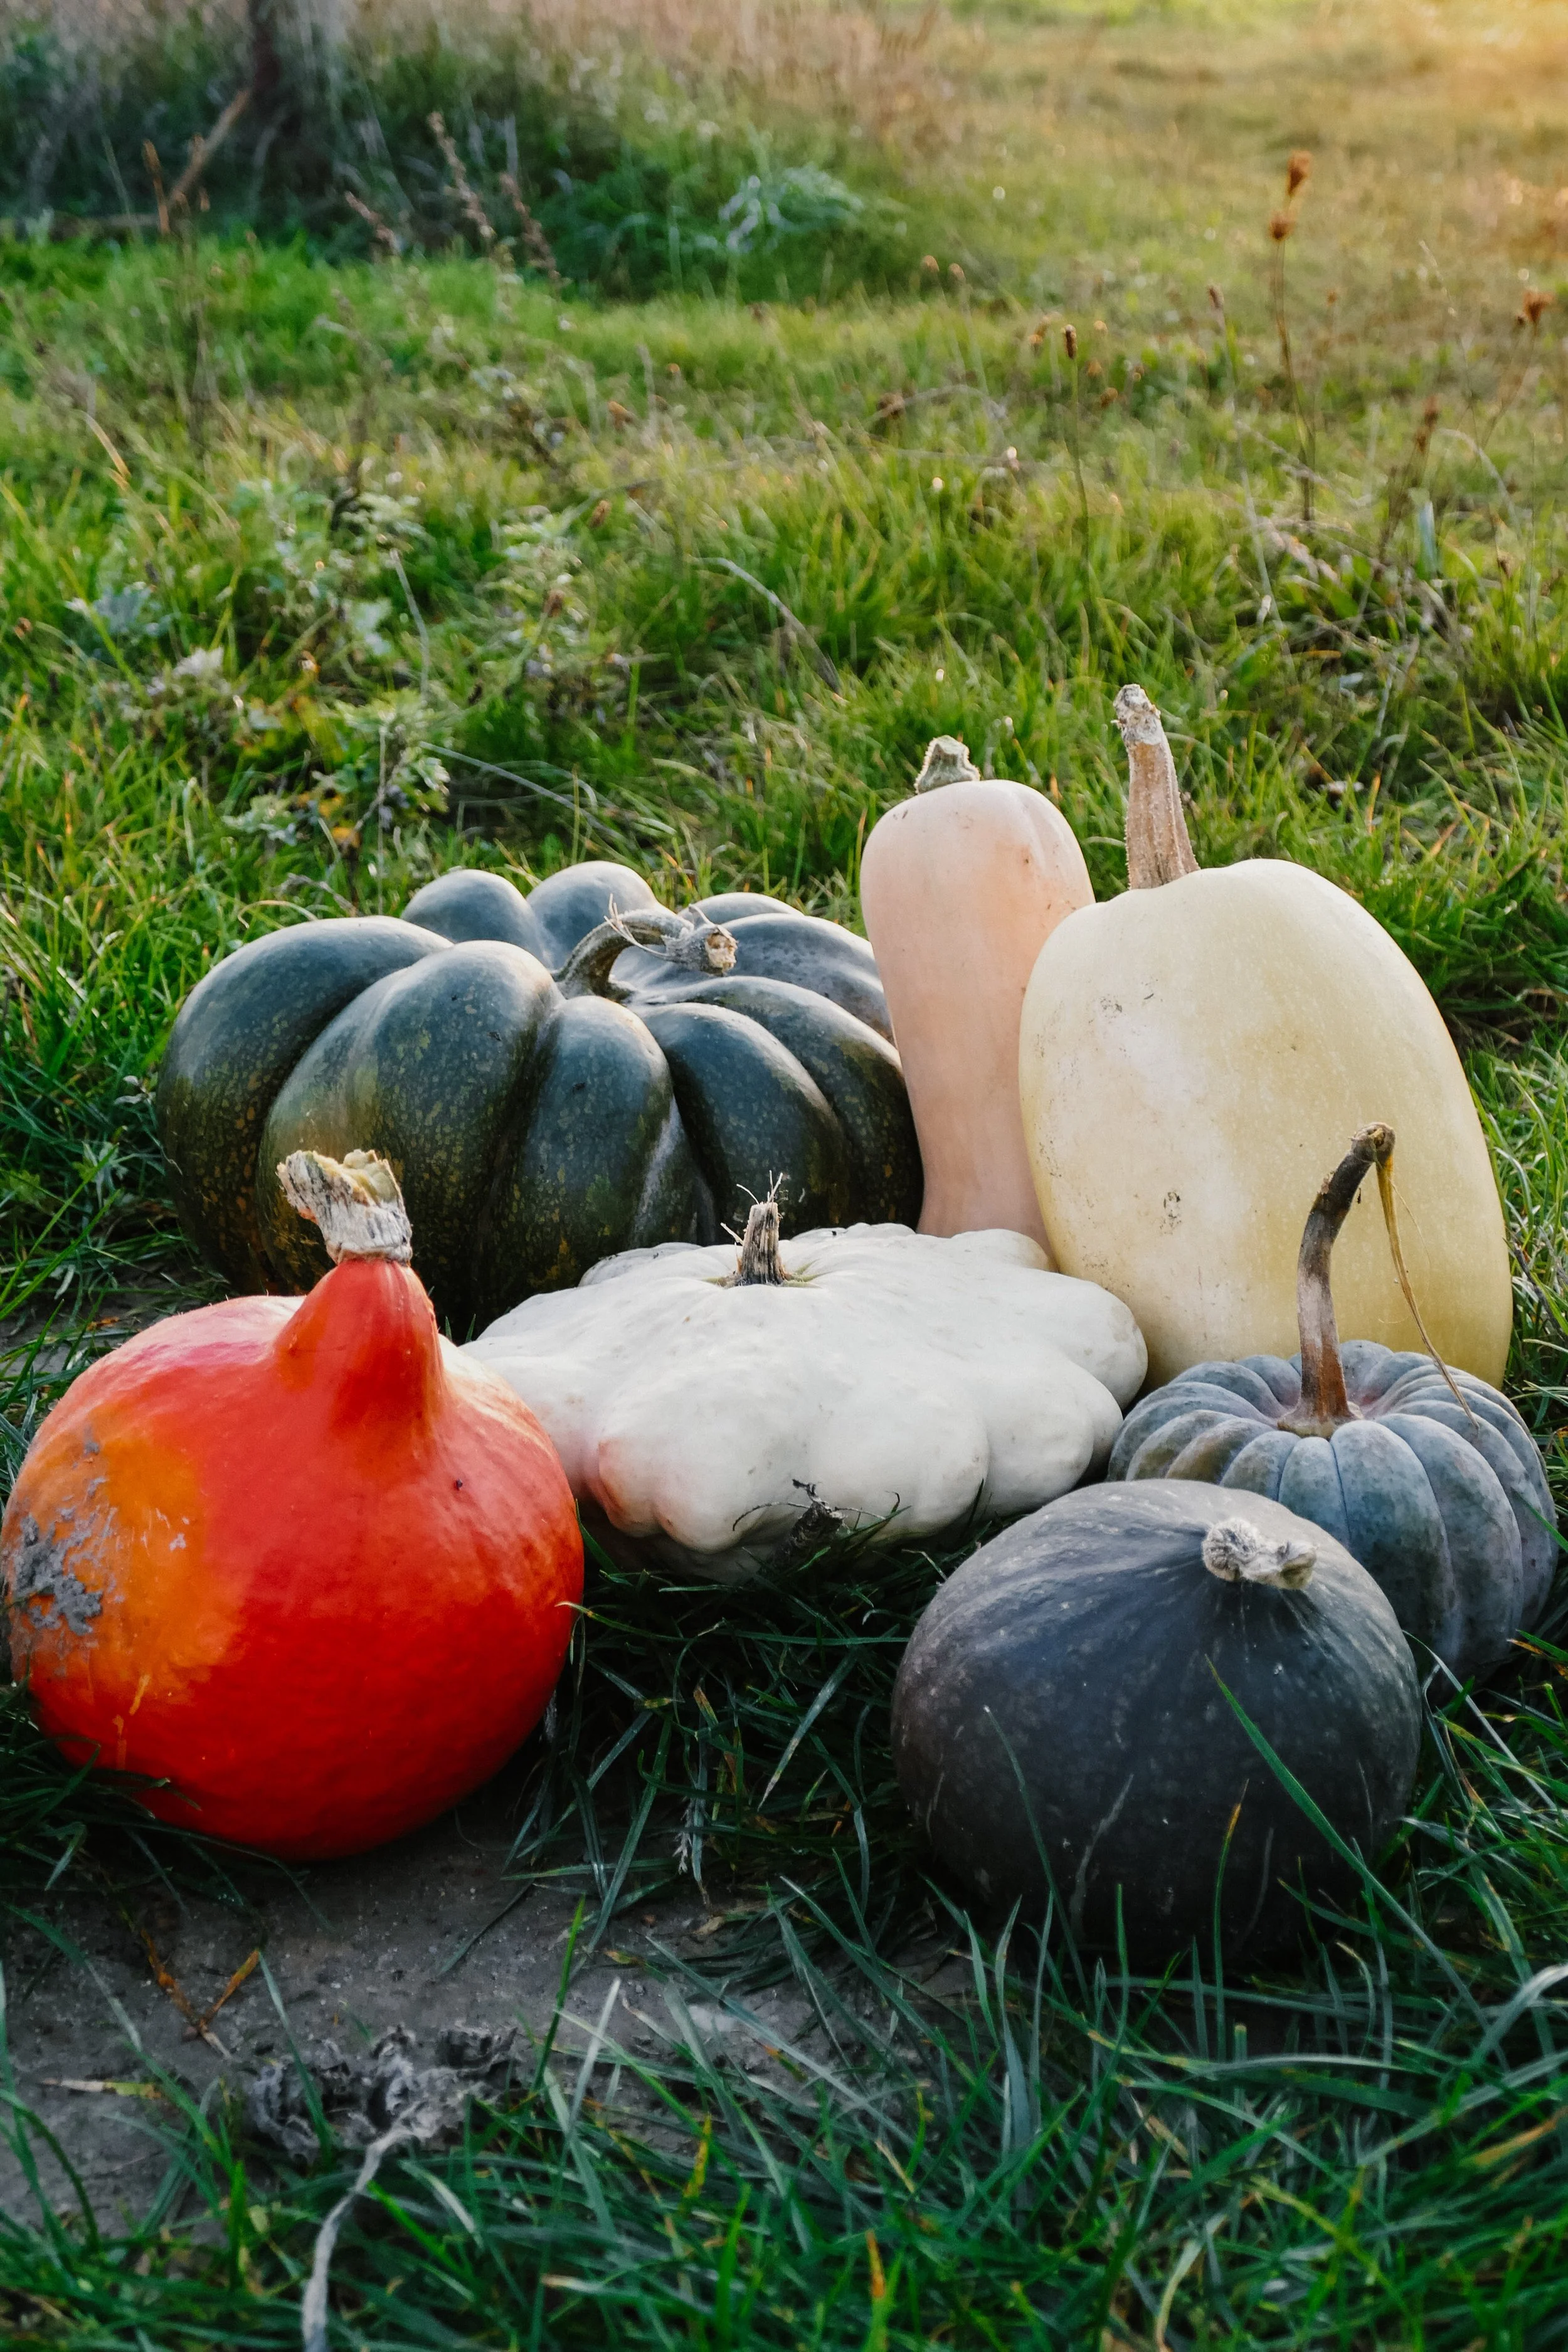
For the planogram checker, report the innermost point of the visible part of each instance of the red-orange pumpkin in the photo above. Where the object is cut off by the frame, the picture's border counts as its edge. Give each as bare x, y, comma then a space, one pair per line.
295, 1558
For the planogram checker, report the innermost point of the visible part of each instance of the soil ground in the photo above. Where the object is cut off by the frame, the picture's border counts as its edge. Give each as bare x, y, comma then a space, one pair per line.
352, 1948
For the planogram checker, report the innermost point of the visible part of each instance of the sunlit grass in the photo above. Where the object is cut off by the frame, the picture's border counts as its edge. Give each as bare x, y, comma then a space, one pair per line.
271, 521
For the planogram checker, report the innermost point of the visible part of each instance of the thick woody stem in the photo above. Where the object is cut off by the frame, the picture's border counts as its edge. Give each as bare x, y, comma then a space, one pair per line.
1324, 1403
759, 1260
690, 943
355, 1201
947, 761
1158, 850
1325, 1406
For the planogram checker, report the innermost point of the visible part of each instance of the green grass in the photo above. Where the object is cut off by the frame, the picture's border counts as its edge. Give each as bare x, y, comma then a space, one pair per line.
280, 529
1367, 2150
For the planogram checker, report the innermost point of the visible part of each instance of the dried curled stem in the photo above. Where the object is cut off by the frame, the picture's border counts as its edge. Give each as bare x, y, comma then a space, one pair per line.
1325, 1404
1158, 850
690, 943
355, 1201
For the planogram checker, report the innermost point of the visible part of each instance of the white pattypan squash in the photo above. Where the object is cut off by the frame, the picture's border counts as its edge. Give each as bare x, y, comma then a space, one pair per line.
875, 1377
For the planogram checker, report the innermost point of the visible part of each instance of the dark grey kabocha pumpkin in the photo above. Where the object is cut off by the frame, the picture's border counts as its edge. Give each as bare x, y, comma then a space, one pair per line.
1060, 1705
554, 1078
1425, 1474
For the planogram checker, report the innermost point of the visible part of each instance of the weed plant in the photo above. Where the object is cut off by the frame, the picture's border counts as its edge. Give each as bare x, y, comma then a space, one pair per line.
318, 575
620, 147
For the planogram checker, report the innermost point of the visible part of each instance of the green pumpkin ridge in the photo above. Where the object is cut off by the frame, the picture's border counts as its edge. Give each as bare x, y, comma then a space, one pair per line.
238, 1037
1482, 1535
1260, 1465
522, 1171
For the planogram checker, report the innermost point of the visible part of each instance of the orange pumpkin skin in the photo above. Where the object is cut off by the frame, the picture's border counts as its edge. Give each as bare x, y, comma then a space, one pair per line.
297, 1558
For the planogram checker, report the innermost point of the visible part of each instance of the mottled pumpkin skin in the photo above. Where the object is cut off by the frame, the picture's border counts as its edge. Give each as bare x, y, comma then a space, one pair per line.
534, 1134
1059, 1725
1444, 1510
298, 1559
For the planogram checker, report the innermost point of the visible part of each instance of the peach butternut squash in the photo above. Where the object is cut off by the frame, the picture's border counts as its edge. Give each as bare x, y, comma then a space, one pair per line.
959, 887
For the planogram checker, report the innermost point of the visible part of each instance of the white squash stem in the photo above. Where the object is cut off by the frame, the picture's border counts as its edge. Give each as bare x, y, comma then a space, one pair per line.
759, 1261
947, 761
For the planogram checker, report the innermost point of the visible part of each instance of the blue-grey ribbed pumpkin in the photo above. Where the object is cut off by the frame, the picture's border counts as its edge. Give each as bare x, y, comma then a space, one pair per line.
1426, 1476
1063, 1716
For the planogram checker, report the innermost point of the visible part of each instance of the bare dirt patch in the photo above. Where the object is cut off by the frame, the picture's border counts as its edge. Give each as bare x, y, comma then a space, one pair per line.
353, 1948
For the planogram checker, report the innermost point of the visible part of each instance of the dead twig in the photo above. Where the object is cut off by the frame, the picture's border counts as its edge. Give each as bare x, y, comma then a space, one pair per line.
203, 150
155, 173
168, 1983
177, 198
246, 1969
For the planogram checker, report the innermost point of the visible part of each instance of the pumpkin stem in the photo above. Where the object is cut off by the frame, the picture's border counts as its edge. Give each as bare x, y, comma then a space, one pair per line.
1324, 1403
690, 943
1158, 850
947, 761
1238, 1553
355, 1201
759, 1260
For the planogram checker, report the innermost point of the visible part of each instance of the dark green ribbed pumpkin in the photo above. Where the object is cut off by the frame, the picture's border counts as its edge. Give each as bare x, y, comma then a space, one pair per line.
547, 1093
1429, 1478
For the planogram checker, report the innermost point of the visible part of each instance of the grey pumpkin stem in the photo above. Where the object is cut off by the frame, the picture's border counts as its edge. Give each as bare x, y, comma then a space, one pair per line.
1325, 1406
1158, 850
947, 761
759, 1261
688, 943
1238, 1552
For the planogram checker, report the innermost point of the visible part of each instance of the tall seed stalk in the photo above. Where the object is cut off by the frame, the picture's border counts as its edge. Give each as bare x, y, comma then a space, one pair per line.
1069, 344
1282, 223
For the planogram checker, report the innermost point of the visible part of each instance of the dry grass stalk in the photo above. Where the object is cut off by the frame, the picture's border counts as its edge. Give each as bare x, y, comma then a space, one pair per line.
383, 237
155, 173
475, 213
536, 245
1297, 171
